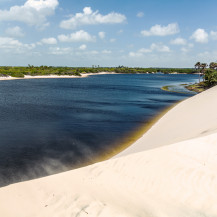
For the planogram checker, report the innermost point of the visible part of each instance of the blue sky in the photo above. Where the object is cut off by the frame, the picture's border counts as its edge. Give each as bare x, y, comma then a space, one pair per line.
148, 33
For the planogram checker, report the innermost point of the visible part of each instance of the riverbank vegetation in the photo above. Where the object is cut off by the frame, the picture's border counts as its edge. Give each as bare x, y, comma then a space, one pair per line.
207, 76
16, 71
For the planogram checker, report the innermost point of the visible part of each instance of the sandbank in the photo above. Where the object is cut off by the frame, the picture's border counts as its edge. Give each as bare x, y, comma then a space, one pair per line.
54, 76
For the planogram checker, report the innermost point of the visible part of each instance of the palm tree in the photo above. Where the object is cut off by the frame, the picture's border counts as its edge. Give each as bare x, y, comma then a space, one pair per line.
213, 65
203, 66
197, 67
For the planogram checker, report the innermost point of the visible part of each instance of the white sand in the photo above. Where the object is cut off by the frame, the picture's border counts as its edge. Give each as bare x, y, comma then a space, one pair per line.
177, 178
192, 118
54, 76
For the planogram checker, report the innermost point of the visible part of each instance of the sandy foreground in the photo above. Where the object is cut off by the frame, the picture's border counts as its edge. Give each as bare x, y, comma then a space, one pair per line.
169, 172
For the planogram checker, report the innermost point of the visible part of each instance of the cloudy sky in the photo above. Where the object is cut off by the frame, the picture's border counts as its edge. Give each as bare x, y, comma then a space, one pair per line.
148, 33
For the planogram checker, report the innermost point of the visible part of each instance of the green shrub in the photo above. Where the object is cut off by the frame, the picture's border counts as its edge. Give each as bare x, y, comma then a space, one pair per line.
77, 73
17, 74
211, 77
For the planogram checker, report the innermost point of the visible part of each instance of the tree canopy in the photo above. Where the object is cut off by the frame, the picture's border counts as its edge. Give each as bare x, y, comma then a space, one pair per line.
209, 73
48, 70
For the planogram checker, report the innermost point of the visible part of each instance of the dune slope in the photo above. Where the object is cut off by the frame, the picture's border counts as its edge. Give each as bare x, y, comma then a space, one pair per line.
193, 117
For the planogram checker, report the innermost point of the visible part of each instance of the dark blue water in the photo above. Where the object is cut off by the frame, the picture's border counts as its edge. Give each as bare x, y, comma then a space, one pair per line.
52, 125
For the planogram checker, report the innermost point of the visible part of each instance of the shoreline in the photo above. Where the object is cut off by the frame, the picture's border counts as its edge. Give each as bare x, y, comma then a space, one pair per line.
190, 91
197, 87
191, 124
2, 78
134, 136
54, 76
165, 88
138, 134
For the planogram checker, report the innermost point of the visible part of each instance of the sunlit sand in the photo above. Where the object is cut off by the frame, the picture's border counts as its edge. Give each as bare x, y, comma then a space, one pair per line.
53, 76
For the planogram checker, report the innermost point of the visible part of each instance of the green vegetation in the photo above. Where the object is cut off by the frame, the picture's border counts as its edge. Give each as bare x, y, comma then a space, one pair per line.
173, 88
209, 76
41, 70
198, 87
177, 70
77, 71
122, 69
166, 88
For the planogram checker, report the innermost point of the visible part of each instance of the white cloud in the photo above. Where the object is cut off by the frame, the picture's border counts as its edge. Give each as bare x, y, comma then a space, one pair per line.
206, 56
87, 54
6, 42
13, 45
77, 37
145, 50
33, 12
101, 35
159, 30
59, 50
213, 35
94, 52
42, 4
49, 41
184, 50
88, 17
135, 54
152, 48
140, 14
106, 52
159, 48
14, 31
130, 46
179, 41
190, 45
200, 36
83, 47
187, 48
112, 40
87, 10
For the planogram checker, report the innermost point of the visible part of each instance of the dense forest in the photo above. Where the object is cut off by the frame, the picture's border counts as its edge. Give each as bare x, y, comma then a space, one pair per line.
50, 70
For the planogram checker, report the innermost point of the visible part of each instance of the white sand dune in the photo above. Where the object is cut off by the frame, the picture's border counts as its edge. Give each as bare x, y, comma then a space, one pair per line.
176, 178
194, 117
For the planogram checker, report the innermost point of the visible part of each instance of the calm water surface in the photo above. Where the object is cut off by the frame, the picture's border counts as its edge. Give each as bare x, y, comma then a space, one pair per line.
53, 125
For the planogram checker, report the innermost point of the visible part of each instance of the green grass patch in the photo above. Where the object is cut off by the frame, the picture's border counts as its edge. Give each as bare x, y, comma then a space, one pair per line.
198, 87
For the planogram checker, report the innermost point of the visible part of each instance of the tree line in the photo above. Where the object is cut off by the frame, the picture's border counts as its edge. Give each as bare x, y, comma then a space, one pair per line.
16, 71
208, 73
